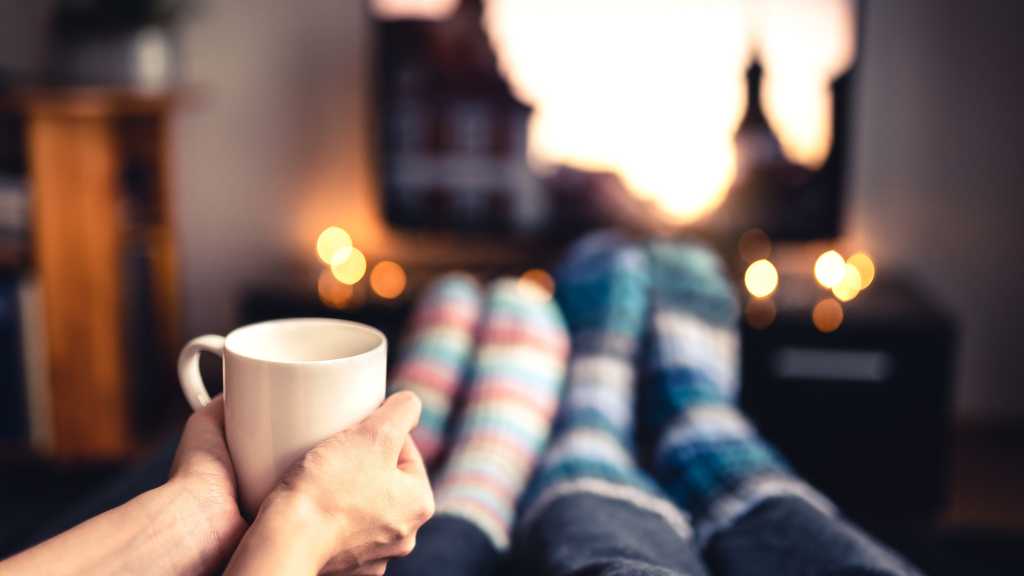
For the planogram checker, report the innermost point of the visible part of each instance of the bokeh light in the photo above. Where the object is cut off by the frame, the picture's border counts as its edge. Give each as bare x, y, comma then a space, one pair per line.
760, 313
829, 268
423, 9
848, 288
865, 266
827, 315
333, 241
331, 292
387, 279
349, 268
761, 278
540, 278
754, 244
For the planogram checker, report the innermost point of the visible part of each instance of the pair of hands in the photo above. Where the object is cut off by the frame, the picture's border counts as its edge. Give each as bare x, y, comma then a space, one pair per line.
354, 501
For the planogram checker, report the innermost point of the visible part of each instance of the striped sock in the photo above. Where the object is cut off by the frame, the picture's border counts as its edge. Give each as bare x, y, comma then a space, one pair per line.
517, 381
436, 354
709, 458
603, 291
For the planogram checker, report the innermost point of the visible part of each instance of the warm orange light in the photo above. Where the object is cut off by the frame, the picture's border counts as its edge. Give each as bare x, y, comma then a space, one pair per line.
848, 288
864, 266
760, 313
669, 136
420, 9
827, 315
754, 244
540, 278
333, 241
332, 293
829, 268
387, 279
803, 47
350, 269
761, 278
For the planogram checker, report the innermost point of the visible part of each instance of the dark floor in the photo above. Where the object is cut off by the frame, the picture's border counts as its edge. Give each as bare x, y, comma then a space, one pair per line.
981, 534
988, 479
33, 491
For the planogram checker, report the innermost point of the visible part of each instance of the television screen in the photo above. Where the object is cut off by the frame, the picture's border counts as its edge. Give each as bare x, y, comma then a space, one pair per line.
548, 117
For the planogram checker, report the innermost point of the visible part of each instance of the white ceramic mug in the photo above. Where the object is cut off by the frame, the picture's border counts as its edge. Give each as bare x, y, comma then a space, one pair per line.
288, 384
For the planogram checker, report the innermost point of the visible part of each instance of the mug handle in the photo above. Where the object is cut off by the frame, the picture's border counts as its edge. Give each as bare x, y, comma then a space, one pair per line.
188, 368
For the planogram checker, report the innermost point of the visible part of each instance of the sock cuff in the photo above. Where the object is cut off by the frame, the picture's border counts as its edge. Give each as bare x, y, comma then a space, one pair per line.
471, 511
635, 496
729, 508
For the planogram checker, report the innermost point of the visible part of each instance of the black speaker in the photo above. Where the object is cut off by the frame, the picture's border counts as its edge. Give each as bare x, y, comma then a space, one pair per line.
861, 412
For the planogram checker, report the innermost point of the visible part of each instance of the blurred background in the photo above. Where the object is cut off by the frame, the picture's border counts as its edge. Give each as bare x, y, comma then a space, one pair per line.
170, 168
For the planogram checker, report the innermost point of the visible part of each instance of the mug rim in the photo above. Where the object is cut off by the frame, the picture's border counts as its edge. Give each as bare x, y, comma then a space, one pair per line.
382, 340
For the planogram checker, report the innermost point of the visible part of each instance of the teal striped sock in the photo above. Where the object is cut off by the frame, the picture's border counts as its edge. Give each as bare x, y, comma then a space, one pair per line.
512, 399
709, 457
436, 354
603, 290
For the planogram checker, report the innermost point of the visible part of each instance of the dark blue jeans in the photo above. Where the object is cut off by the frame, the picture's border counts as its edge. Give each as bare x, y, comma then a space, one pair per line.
588, 535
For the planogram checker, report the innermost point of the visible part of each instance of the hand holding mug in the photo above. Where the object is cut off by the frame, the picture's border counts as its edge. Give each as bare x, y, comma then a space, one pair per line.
288, 385
303, 390
350, 504
347, 487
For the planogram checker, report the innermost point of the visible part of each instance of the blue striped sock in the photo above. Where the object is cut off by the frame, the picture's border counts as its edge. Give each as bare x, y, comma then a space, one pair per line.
709, 458
603, 291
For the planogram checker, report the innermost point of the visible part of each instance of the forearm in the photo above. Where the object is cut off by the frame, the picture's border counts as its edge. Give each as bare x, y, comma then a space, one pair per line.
286, 539
263, 552
163, 531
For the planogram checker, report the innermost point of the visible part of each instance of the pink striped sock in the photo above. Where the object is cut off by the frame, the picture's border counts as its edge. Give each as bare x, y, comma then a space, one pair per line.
517, 382
436, 355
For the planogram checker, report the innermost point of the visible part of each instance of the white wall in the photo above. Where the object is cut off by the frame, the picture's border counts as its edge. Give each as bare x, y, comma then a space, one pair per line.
273, 146
23, 37
270, 145
939, 175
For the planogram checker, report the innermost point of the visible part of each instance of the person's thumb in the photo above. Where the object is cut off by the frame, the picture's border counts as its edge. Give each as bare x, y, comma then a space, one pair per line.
394, 420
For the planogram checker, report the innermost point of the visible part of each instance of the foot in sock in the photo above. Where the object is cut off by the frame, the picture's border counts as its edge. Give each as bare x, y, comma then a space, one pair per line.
436, 355
590, 509
602, 290
516, 385
708, 457
751, 514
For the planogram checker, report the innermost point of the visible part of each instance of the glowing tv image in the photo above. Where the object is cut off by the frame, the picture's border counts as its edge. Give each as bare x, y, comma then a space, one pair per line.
717, 115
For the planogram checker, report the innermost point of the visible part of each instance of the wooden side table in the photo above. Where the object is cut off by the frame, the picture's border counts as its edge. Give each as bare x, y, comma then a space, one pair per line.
99, 186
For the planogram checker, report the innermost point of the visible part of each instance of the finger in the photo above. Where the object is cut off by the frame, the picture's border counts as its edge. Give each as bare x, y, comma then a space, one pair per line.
395, 419
214, 411
409, 459
204, 433
419, 493
205, 423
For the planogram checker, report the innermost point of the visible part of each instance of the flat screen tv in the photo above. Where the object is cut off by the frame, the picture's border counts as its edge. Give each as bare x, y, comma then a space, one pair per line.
528, 118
